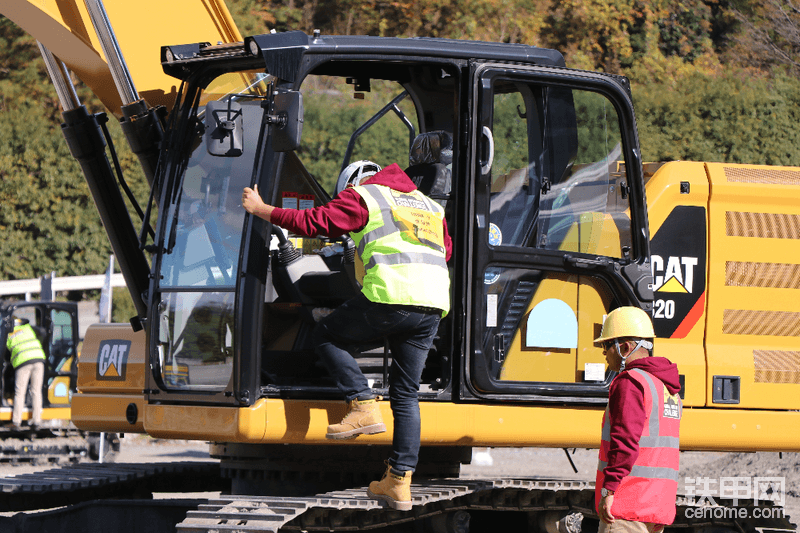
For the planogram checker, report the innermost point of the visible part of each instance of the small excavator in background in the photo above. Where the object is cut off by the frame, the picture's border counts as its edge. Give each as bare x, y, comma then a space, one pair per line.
56, 440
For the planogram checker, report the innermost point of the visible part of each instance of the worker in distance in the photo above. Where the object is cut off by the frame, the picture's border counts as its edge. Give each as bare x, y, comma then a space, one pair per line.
27, 358
637, 472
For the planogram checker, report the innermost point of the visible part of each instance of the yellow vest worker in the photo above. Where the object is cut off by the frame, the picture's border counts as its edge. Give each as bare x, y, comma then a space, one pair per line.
27, 358
402, 249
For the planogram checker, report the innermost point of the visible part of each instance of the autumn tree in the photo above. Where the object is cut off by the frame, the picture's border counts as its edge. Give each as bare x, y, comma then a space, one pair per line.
47, 217
771, 35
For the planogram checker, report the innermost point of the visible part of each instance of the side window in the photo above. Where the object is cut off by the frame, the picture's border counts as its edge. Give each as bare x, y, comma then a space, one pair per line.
558, 182
62, 344
29, 313
540, 326
553, 181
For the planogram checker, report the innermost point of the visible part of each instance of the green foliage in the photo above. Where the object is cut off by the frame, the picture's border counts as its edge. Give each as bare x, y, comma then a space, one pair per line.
332, 114
726, 119
685, 32
122, 308
48, 219
510, 133
598, 130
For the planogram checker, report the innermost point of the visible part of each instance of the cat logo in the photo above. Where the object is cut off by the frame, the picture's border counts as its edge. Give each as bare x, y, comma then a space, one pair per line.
672, 405
677, 276
112, 360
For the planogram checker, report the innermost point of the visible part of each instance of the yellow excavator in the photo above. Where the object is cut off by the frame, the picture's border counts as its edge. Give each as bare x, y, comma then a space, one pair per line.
555, 222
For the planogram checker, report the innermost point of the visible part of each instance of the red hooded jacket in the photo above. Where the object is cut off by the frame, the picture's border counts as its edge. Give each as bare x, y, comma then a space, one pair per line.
646, 500
347, 212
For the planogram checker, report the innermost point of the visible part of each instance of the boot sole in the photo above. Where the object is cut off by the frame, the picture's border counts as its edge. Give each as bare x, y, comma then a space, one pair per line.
391, 502
353, 433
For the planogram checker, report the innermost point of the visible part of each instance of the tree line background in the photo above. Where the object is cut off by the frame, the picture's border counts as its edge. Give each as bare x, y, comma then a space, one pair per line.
712, 80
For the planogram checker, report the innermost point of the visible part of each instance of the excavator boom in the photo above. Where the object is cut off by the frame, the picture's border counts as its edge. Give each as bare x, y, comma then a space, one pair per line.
65, 27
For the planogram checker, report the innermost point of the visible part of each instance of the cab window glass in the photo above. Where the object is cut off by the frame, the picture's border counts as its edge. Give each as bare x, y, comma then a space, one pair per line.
336, 108
62, 339
557, 179
203, 233
540, 326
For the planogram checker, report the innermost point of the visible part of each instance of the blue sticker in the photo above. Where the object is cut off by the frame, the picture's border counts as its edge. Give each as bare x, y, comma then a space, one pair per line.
495, 235
491, 275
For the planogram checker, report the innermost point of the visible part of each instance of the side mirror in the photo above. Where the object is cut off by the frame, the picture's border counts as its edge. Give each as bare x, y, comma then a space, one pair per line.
287, 122
224, 130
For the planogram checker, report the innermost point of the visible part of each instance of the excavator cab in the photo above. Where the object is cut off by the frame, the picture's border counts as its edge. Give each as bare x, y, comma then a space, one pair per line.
544, 202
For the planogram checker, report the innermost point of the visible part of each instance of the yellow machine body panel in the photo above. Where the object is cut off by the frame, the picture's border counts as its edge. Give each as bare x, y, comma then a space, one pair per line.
66, 29
525, 363
111, 379
753, 333
684, 345
58, 389
447, 424
48, 413
734, 232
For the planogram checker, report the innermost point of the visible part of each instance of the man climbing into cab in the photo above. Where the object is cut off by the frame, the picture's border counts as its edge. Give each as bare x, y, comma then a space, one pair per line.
402, 248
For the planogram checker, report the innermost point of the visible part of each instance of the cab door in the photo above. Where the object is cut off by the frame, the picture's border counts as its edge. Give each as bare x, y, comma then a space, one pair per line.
560, 232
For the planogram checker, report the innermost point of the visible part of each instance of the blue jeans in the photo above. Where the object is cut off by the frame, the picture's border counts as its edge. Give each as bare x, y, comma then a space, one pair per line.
410, 333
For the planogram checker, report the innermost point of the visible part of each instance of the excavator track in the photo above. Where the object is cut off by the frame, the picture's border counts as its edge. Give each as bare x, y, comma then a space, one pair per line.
89, 491
45, 446
83, 482
350, 510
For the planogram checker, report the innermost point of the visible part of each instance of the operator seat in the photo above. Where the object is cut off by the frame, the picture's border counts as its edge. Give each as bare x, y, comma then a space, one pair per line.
430, 157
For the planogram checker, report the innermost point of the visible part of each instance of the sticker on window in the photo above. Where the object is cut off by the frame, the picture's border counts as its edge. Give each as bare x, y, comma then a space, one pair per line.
491, 276
289, 200
495, 235
306, 201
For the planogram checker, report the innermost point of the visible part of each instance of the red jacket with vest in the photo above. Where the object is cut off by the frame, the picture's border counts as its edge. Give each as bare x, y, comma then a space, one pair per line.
639, 455
347, 212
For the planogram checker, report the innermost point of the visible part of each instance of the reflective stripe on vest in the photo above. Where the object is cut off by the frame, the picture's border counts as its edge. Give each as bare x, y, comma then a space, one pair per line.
400, 252
24, 345
648, 492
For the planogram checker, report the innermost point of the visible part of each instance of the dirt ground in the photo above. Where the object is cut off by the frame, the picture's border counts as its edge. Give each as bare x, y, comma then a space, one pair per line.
522, 462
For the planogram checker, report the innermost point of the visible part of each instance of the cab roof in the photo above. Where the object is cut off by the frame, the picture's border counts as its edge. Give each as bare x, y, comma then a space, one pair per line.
283, 53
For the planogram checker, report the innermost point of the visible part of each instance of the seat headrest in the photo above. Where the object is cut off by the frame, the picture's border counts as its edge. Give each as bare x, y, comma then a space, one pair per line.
431, 147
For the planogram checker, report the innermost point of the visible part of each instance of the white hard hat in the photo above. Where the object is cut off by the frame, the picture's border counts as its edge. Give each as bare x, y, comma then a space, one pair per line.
355, 173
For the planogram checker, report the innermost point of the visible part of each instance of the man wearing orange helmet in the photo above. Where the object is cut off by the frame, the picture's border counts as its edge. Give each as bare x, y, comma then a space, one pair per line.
637, 473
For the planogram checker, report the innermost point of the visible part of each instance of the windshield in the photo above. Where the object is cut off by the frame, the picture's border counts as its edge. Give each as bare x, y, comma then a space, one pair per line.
203, 235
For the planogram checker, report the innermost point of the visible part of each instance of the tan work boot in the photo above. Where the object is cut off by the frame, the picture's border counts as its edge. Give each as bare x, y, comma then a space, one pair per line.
394, 489
362, 417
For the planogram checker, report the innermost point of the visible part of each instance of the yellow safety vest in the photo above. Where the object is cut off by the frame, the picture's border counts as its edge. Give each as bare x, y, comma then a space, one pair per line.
24, 345
401, 254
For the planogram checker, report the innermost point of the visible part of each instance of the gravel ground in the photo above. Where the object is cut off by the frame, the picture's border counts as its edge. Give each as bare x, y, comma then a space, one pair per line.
517, 462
